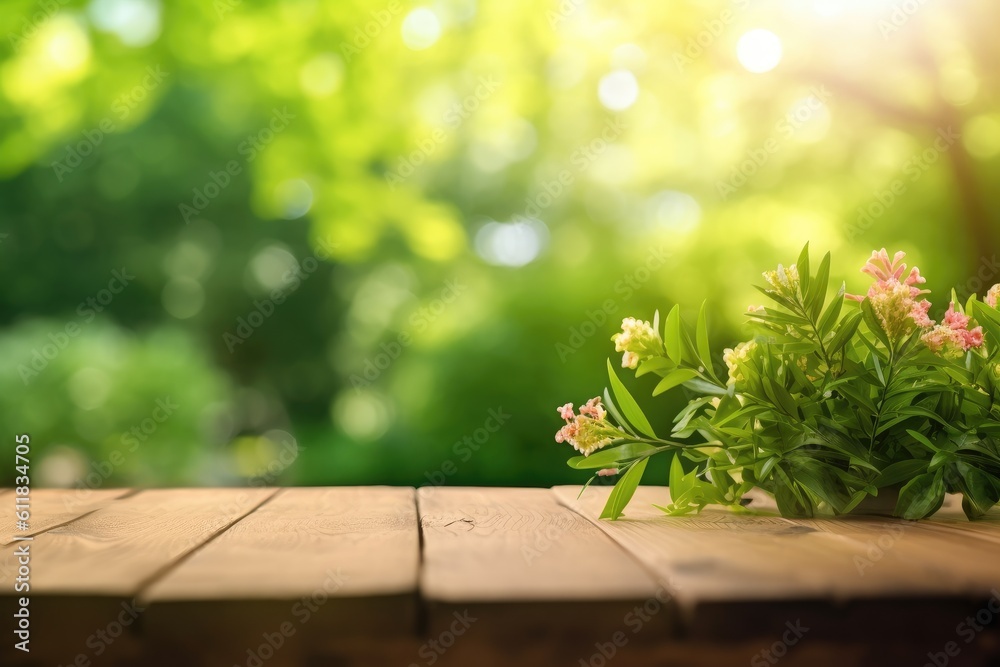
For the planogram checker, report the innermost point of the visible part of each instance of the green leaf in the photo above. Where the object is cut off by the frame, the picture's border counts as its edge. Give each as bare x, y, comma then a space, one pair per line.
672, 335
608, 458
803, 267
624, 490
613, 411
630, 409
900, 471
922, 496
833, 311
921, 438
845, 332
675, 379
704, 348
820, 286
654, 365
676, 482
980, 490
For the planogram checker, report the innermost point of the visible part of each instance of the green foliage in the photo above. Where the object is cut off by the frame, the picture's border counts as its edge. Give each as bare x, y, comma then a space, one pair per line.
832, 401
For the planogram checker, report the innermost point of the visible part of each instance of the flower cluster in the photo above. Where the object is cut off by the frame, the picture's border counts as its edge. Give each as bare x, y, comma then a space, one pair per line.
736, 356
638, 340
952, 338
784, 281
992, 296
589, 430
895, 299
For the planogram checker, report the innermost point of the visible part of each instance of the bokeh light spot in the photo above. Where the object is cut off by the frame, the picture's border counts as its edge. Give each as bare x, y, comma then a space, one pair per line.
618, 90
759, 51
421, 29
134, 22
511, 243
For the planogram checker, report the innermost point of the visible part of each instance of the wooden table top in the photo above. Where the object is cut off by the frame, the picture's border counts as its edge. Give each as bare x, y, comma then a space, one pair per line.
488, 576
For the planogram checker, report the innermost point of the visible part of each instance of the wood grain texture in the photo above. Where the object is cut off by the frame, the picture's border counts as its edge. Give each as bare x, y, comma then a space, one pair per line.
510, 572
365, 539
504, 544
319, 563
54, 507
718, 556
115, 550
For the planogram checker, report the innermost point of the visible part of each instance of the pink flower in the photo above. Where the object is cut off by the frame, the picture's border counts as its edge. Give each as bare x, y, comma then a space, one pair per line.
952, 338
955, 320
993, 295
593, 409
589, 430
607, 472
893, 297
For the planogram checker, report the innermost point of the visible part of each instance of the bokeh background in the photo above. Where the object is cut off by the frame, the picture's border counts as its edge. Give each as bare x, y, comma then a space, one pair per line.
328, 242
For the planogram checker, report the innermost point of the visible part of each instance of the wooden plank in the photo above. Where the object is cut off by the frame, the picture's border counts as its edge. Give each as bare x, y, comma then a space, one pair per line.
54, 507
496, 545
722, 565
310, 569
508, 572
370, 534
85, 574
118, 548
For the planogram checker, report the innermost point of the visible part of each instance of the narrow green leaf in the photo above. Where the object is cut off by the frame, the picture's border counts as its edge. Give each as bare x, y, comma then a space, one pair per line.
672, 335
845, 331
624, 490
803, 267
820, 286
832, 314
613, 411
704, 348
630, 409
654, 365
608, 458
675, 379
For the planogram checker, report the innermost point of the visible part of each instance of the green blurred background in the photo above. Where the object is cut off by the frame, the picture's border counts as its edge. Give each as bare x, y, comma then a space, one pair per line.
327, 242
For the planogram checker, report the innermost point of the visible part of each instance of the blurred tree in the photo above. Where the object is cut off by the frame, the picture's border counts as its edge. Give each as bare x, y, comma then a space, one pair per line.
367, 225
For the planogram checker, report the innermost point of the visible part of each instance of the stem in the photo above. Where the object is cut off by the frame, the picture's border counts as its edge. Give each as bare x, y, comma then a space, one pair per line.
819, 339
